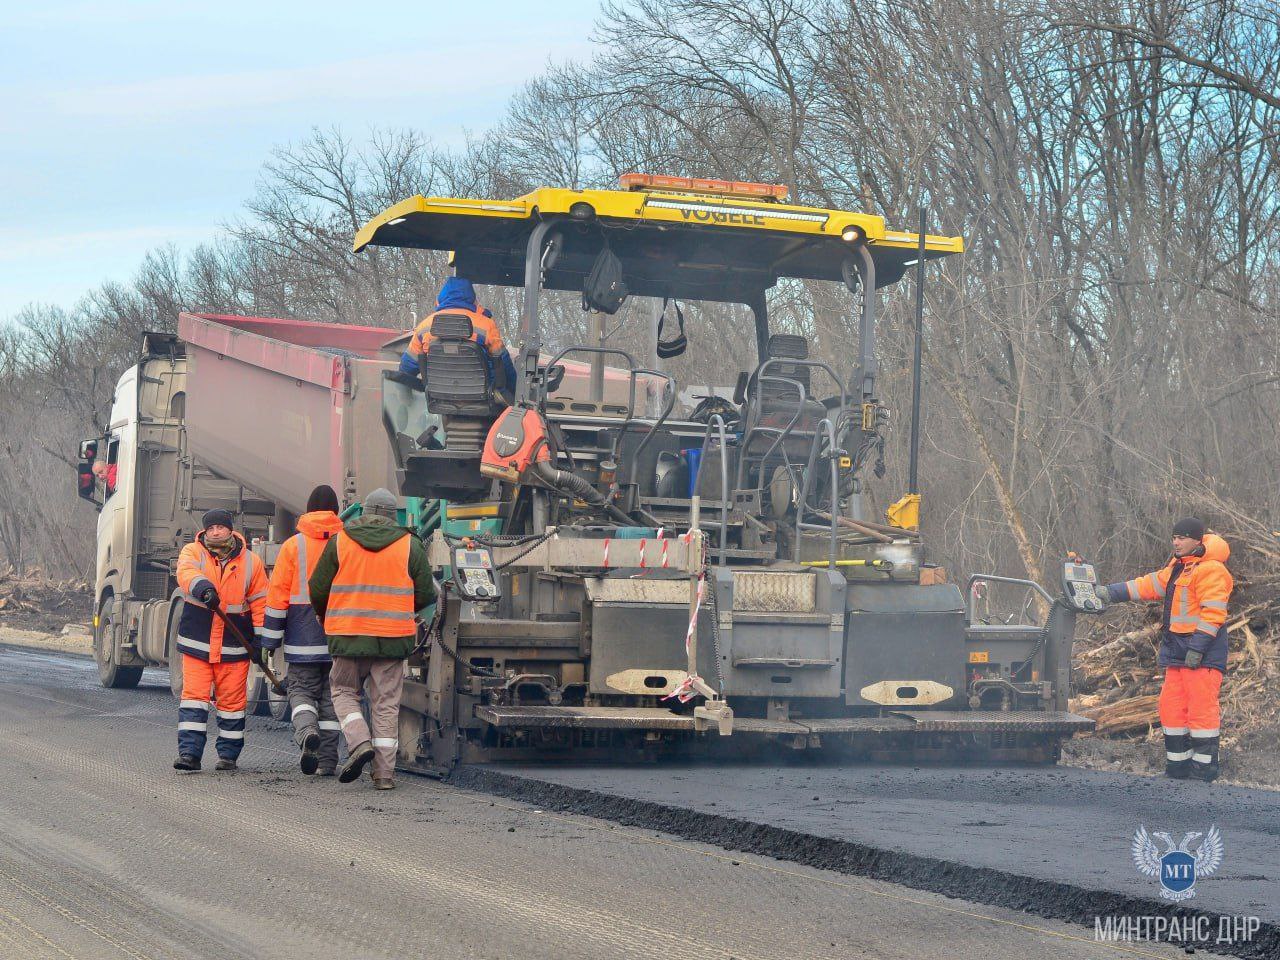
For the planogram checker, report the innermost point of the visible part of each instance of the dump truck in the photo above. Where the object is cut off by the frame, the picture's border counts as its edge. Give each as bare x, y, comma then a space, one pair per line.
247, 414
625, 580
243, 413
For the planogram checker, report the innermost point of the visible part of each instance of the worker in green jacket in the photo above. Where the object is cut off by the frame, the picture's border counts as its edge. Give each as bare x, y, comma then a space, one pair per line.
368, 589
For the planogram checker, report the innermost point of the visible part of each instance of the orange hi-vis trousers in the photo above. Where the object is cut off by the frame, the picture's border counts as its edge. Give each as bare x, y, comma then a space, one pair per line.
229, 682
1191, 718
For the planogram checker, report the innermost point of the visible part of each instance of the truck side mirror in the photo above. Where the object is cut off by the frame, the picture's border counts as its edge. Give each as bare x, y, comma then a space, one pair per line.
89, 450
86, 482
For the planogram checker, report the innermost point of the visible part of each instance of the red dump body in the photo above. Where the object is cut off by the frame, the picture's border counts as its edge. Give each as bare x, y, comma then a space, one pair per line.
282, 405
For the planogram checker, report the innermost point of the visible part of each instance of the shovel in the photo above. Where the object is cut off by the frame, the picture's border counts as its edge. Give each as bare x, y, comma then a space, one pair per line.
227, 624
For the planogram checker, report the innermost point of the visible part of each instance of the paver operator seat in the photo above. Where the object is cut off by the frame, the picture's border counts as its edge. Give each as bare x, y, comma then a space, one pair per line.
459, 382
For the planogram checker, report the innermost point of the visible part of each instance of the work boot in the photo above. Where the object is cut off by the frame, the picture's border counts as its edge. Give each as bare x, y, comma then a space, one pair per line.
1177, 753
187, 761
355, 764
1204, 758
328, 770
383, 783
309, 761
224, 764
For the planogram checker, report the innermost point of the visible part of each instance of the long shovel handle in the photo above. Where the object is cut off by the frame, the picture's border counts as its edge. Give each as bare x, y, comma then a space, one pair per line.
250, 649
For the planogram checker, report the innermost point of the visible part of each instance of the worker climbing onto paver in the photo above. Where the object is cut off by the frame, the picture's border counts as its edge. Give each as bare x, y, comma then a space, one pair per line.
291, 621
1194, 587
216, 572
371, 581
459, 296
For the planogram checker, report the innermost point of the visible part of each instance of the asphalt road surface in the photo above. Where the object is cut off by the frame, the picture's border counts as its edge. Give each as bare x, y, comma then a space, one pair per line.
106, 852
1058, 825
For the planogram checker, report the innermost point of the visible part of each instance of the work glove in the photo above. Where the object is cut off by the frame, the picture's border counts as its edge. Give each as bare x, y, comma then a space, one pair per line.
1194, 658
209, 597
264, 657
1104, 595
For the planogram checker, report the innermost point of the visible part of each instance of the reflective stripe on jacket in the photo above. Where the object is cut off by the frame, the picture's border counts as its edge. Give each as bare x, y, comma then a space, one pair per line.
241, 582
484, 331
1194, 592
372, 591
290, 618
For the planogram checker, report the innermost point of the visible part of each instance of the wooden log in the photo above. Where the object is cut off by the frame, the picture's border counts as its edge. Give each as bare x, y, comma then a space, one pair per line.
1130, 715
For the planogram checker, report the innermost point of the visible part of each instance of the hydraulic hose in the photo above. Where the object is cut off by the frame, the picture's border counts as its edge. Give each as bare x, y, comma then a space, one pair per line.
575, 485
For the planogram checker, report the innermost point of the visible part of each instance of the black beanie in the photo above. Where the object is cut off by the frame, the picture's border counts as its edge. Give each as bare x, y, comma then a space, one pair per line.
218, 515
322, 498
1189, 527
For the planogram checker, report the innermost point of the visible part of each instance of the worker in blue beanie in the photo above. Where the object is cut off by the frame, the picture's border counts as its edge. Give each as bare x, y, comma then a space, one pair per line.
459, 296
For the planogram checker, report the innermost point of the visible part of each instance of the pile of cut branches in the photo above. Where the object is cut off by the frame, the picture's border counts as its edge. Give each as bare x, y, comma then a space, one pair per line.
32, 599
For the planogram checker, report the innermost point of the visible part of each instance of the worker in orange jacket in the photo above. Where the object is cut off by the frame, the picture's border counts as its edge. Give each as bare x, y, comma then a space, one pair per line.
216, 571
291, 621
459, 296
1193, 588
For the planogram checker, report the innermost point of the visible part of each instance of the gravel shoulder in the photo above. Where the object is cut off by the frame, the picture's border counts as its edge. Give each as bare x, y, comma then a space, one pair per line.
75, 638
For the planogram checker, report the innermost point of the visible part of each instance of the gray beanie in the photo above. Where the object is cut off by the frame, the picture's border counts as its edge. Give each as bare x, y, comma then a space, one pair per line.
380, 503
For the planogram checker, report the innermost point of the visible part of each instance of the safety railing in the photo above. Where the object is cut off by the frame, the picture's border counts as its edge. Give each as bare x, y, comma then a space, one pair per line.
718, 422
762, 376
763, 430
826, 430
634, 372
977, 578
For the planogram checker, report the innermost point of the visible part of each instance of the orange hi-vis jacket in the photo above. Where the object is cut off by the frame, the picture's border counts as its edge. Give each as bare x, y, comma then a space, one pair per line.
290, 618
241, 582
1197, 599
372, 591
484, 331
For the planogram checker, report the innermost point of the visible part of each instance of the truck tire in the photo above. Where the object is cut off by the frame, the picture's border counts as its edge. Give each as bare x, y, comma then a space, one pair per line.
175, 673
259, 705
172, 653
278, 704
111, 673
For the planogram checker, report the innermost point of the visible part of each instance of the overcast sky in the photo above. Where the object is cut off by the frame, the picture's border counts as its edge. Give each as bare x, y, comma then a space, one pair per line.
129, 125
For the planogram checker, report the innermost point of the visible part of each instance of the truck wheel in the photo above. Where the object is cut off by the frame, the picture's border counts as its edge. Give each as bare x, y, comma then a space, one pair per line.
172, 651
279, 705
111, 673
175, 672
259, 705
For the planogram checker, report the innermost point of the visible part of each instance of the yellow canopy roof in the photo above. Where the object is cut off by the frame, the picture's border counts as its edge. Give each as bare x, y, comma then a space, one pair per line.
697, 246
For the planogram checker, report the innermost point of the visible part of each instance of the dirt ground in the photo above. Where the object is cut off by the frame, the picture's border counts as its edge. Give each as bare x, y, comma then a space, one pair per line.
1252, 760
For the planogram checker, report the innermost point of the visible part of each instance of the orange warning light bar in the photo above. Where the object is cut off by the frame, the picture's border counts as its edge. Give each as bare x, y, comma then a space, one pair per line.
728, 188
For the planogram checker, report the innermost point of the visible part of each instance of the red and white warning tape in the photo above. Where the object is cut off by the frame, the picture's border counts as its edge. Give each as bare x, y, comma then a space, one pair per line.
686, 690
